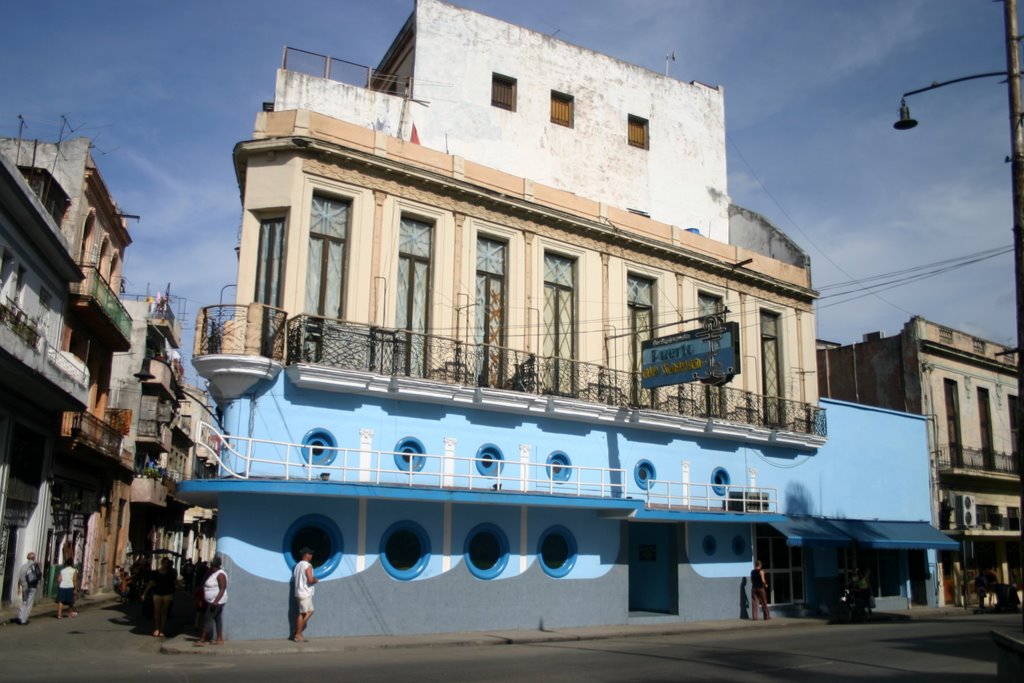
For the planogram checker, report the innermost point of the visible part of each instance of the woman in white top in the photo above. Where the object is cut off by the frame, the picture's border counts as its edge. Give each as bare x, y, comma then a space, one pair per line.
67, 589
215, 593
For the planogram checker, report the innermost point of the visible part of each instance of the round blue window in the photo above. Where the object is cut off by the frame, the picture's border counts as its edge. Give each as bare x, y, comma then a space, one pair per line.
709, 544
559, 466
556, 551
405, 550
489, 460
319, 447
644, 474
720, 480
321, 535
409, 454
486, 551
739, 545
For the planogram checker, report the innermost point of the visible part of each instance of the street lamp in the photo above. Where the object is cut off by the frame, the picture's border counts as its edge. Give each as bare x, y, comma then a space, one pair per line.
1012, 74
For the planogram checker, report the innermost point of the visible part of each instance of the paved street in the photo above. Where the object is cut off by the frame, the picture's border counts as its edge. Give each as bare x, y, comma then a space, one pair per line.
111, 643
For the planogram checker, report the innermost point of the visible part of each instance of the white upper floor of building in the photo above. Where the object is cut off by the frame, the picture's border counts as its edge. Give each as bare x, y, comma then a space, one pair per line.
537, 107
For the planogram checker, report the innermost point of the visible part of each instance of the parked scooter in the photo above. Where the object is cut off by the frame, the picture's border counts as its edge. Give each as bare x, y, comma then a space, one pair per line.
854, 605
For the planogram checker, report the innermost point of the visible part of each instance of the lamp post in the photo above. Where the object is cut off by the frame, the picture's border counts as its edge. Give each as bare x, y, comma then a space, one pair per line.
1012, 74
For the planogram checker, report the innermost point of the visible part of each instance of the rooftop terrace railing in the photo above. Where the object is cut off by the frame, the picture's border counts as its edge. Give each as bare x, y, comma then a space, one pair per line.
342, 71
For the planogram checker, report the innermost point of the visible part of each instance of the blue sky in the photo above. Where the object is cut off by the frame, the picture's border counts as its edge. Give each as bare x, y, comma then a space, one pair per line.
812, 88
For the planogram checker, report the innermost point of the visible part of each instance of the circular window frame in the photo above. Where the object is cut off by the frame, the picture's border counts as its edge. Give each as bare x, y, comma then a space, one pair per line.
413, 448
739, 545
503, 549
720, 480
709, 544
645, 482
322, 438
325, 524
559, 466
570, 560
421, 563
489, 460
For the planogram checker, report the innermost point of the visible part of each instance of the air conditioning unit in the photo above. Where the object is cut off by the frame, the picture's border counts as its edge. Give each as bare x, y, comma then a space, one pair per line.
966, 512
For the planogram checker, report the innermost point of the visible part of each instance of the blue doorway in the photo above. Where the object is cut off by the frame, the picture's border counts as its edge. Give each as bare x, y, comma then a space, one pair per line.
653, 568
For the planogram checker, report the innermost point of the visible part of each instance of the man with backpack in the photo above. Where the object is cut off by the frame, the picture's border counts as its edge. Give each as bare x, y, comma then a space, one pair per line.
28, 582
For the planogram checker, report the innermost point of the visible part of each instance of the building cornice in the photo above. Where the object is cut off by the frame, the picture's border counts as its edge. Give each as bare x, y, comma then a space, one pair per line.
384, 166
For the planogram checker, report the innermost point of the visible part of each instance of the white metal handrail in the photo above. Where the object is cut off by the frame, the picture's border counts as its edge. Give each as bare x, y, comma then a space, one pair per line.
246, 457
711, 497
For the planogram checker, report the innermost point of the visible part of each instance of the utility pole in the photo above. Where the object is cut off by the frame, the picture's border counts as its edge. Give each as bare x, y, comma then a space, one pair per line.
1017, 171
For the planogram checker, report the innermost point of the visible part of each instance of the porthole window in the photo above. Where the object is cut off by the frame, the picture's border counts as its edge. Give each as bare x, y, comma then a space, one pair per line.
559, 466
409, 454
486, 551
489, 460
319, 447
557, 551
322, 536
405, 550
720, 480
739, 545
709, 544
644, 474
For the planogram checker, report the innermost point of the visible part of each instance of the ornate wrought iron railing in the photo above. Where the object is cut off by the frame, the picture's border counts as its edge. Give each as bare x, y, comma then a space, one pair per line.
349, 346
977, 460
253, 330
261, 330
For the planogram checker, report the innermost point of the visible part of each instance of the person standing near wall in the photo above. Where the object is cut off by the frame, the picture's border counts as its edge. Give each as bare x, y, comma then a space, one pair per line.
28, 582
215, 594
759, 591
304, 586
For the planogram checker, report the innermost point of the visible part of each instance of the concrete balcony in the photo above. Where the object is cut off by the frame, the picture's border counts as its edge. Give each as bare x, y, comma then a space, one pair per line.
147, 491
97, 304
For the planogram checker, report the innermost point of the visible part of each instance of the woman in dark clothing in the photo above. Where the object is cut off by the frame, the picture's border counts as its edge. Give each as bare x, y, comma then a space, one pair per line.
161, 586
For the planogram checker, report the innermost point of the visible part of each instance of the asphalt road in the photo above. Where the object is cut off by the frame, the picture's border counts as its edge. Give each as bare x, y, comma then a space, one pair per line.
113, 644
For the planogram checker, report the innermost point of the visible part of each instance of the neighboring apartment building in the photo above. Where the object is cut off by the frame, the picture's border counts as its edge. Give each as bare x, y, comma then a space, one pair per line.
149, 382
967, 387
38, 381
434, 374
90, 482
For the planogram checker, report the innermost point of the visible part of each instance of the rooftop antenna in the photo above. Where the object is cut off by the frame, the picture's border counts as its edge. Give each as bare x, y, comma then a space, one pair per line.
669, 57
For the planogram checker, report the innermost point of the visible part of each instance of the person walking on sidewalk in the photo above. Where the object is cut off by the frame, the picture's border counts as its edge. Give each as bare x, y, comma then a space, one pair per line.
304, 587
162, 585
67, 590
759, 591
28, 582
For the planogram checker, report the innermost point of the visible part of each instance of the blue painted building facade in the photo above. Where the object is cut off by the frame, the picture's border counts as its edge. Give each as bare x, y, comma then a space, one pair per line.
432, 375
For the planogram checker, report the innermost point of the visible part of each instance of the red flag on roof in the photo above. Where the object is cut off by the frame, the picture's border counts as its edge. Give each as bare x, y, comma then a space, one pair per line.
415, 138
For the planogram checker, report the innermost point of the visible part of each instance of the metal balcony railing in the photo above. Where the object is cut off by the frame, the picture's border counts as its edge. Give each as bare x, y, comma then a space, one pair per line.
401, 353
93, 432
951, 457
248, 458
18, 321
96, 288
253, 330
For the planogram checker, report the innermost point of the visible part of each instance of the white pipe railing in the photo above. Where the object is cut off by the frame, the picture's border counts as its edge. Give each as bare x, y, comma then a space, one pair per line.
245, 458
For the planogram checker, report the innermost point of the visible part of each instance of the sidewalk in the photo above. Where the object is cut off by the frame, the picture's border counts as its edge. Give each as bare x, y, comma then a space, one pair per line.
185, 644
47, 607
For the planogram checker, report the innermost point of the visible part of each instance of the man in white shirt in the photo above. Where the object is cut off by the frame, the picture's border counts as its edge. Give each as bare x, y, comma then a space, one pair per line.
28, 582
304, 581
